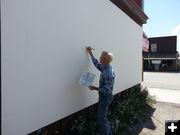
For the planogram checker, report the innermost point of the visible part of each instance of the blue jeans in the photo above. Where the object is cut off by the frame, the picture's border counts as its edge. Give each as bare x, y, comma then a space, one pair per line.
102, 121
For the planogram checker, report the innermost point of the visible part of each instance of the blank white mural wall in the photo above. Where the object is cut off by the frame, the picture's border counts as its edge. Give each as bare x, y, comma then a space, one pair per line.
43, 54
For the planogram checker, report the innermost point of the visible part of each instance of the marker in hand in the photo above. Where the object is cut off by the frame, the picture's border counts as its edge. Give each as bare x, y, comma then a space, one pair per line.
89, 48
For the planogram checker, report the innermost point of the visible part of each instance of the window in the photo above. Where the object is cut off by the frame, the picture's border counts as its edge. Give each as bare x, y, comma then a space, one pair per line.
153, 47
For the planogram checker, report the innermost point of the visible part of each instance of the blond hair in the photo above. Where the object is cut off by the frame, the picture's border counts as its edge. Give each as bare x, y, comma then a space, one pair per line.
107, 56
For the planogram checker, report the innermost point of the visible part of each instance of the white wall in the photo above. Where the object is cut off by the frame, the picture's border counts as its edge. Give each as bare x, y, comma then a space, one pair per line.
43, 54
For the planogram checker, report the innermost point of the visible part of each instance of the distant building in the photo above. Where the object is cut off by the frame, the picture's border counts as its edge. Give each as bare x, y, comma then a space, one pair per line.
178, 63
162, 54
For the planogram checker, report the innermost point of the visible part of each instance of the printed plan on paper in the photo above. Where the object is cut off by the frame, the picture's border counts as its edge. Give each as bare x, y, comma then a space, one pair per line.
87, 78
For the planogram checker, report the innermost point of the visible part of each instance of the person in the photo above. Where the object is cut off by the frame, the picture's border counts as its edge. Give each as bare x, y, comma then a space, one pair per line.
106, 82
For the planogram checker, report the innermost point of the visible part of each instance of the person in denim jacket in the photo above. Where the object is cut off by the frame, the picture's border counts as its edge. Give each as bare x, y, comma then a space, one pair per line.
105, 89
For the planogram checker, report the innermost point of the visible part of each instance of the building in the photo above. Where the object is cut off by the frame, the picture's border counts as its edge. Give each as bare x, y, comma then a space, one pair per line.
162, 54
43, 55
178, 63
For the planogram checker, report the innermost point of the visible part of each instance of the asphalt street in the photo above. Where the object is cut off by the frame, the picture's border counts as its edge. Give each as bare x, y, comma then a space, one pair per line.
164, 86
162, 80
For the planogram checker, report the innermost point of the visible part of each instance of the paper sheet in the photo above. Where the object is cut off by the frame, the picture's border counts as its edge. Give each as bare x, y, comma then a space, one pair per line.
87, 78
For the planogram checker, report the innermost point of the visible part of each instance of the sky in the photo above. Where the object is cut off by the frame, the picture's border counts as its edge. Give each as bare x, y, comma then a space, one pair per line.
164, 18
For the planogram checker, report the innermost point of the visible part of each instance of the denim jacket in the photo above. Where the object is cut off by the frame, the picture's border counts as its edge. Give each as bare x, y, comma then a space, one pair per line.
107, 77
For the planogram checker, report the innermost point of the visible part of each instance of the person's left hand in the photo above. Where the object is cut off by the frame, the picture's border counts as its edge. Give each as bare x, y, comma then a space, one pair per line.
93, 88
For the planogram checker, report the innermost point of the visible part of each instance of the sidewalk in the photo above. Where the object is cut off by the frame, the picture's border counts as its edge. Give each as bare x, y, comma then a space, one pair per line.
166, 89
165, 95
155, 125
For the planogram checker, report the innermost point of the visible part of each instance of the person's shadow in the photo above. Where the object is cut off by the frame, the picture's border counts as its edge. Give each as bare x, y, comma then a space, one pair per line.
145, 122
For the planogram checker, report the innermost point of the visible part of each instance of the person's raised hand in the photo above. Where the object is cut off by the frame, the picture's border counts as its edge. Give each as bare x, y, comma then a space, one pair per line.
89, 49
